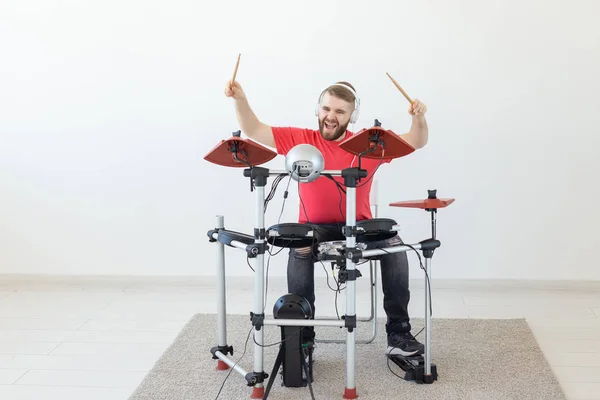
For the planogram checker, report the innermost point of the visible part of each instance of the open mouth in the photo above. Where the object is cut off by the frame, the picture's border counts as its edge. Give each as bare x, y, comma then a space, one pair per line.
331, 126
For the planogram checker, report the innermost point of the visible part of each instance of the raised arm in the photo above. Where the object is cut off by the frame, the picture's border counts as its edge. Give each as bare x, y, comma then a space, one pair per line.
248, 121
419, 132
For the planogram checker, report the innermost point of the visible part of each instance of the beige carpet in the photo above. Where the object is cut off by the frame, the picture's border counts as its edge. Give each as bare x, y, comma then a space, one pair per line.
476, 359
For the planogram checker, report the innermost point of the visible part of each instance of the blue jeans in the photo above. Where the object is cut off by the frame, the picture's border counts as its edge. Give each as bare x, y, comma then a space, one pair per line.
394, 275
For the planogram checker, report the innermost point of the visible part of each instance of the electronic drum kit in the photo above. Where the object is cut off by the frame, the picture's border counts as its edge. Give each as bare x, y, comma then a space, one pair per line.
304, 163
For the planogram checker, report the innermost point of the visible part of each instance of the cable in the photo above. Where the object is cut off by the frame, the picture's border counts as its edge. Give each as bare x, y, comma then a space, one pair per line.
373, 174
337, 282
274, 186
276, 343
285, 195
429, 294
266, 283
426, 274
276, 182
338, 184
244, 153
304, 365
341, 190
271, 195
390, 368
302, 202
236, 363
327, 275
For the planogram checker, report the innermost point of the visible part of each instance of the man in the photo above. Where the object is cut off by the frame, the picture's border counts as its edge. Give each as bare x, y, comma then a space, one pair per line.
337, 107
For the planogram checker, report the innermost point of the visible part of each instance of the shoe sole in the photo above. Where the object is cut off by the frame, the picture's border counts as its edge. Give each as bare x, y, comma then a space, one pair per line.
394, 351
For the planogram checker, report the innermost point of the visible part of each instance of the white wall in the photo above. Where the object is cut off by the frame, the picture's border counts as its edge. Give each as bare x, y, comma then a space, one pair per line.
107, 109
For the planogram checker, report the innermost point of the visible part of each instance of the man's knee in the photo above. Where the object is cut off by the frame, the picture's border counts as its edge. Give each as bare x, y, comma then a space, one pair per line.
303, 252
394, 241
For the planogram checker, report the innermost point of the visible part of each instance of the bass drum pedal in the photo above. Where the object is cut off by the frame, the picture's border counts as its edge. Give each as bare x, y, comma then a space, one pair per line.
414, 368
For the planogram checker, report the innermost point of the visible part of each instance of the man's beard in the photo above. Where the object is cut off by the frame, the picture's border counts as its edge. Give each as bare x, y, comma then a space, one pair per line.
339, 132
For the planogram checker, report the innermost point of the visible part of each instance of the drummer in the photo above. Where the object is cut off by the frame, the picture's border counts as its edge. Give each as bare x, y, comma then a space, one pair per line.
338, 106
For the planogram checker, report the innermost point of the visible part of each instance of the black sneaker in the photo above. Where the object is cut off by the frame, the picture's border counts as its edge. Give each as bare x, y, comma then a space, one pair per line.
404, 344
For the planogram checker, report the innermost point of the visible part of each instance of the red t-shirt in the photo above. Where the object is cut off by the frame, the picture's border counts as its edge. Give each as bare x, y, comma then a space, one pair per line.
321, 197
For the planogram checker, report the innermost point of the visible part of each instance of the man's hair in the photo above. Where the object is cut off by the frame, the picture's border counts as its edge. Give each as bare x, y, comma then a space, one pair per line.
341, 92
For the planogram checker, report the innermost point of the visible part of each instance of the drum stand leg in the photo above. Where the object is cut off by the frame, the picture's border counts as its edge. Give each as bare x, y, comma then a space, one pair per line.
420, 368
257, 378
256, 251
222, 346
430, 370
351, 177
430, 373
372, 317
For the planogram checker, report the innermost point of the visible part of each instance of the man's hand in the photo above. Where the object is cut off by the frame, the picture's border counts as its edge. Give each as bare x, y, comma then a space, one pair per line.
417, 108
234, 90
248, 121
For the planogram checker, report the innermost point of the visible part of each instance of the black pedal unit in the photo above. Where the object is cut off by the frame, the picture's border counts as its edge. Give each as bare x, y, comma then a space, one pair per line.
414, 368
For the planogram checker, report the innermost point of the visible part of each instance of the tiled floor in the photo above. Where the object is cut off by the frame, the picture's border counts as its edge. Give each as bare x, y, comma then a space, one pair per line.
96, 338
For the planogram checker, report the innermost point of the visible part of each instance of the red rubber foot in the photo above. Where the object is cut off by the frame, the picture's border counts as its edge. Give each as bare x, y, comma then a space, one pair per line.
222, 366
350, 393
258, 392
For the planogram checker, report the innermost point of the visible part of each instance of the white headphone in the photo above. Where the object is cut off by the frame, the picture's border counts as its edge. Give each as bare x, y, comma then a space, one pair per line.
356, 111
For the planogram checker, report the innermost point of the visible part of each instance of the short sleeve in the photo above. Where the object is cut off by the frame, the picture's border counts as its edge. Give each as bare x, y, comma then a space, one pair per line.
287, 137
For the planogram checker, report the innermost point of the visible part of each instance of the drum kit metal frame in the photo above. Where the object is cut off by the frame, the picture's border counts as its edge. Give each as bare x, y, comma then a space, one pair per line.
237, 152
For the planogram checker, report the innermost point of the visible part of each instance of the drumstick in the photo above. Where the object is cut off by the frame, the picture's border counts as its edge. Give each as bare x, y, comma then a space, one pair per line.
236, 68
399, 88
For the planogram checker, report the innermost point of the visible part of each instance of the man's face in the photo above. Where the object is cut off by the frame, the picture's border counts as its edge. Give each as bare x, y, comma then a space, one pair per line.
334, 116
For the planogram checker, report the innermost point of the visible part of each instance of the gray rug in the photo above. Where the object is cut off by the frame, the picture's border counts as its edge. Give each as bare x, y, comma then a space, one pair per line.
476, 359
